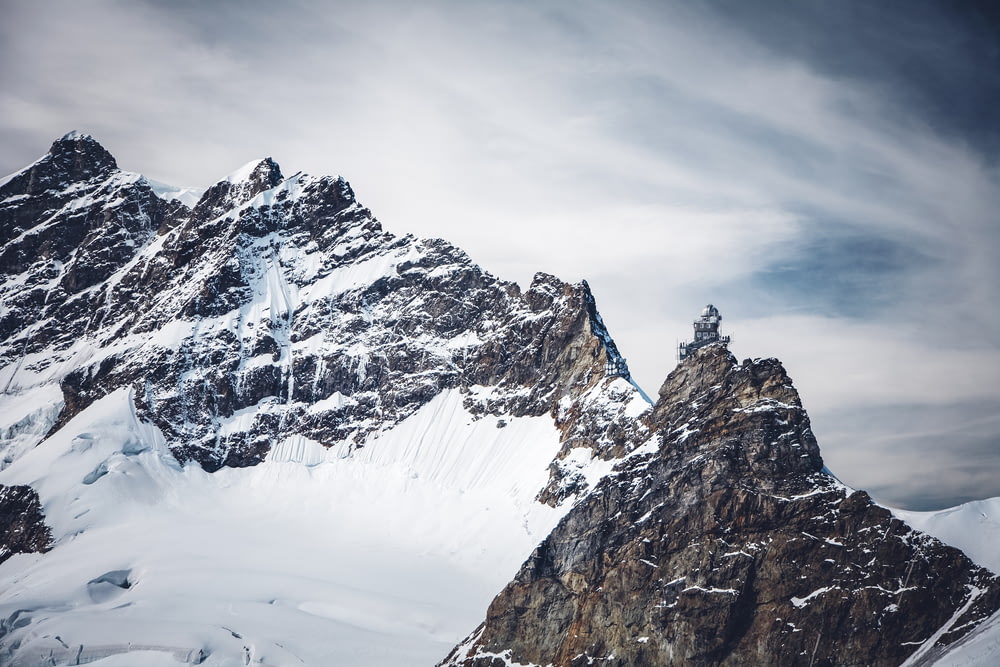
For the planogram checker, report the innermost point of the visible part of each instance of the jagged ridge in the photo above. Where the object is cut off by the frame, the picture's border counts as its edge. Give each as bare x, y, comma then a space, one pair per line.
275, 307
722, 542
276, 329
278, 314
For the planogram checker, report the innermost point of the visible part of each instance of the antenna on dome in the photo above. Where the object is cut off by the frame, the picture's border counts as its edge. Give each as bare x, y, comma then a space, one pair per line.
706, 332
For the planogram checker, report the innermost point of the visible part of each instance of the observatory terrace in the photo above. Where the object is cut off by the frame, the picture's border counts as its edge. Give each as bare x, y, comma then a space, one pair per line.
723, 542
706, 332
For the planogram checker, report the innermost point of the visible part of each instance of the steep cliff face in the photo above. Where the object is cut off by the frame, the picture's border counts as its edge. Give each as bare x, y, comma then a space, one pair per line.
722, 541
67, 223
275, 308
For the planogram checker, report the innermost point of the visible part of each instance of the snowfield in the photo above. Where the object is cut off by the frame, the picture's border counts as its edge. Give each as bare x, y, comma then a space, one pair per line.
385, 555
275, 325
974, 528
388, 556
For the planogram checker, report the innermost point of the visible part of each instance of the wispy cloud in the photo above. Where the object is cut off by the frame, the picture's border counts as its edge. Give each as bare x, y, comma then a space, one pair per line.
671, 154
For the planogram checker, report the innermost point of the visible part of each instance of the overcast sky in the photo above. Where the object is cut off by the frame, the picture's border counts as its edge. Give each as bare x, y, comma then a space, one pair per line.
826, 173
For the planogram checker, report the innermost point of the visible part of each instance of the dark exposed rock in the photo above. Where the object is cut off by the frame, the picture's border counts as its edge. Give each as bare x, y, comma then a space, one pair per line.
74, 158
22, 524
67, 224
723, 542
227, 195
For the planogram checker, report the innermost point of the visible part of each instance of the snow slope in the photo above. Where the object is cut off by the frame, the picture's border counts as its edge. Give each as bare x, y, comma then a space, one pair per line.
973, 527
384, 557
187, 196
980, 649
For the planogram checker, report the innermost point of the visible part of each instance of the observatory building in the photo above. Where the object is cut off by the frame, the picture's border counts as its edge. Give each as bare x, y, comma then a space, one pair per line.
706, 331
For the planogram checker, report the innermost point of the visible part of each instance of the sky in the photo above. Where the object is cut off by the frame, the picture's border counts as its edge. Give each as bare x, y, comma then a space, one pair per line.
825, 173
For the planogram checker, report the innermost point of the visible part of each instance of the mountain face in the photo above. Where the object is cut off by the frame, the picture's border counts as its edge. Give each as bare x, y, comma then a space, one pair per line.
275, 307
275, 336
263, 430
725, 543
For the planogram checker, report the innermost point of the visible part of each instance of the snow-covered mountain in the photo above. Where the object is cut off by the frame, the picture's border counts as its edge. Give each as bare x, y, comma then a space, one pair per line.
257, 428
264, 426
973, 527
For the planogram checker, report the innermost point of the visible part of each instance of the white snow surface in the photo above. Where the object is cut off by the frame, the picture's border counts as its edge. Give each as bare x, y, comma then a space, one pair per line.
386, 556
187, 196
973, 527
981, 648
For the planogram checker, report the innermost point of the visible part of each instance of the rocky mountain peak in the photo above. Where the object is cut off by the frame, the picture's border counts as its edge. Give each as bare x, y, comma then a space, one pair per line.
67, 222
710, 396
720, 541
299, 297
81, 157
273, 327
265, 175
73, 158
714, 372
276, 322
711, 367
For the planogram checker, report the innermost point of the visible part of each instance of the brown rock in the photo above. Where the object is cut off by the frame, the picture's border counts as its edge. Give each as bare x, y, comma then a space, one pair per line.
729, 545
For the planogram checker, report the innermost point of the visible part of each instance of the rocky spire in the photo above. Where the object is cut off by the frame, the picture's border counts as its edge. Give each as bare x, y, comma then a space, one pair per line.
72, 158
67, 222
726, 544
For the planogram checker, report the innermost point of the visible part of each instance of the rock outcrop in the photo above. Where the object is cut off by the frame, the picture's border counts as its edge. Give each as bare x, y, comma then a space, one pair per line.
722, 541
22, 524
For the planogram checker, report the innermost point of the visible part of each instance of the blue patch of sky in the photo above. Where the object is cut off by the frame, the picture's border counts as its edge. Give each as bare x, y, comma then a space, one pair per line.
835, 270
938, 59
